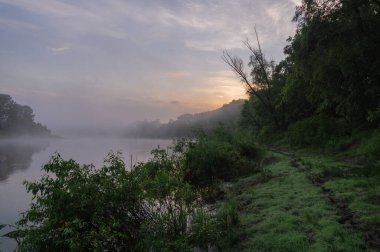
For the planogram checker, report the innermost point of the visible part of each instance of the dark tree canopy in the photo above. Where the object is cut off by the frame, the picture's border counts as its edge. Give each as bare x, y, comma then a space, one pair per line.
16, 119
335, 56
331, 69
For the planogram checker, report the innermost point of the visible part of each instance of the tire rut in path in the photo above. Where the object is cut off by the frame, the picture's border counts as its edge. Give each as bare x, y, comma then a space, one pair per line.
347, 216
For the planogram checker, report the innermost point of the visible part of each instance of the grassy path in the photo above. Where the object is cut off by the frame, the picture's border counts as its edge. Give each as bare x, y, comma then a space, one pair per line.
288, 213
353, 189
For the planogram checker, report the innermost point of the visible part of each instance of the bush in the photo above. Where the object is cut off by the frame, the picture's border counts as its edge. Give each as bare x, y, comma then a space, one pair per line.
154, 207
78, 208
372, 148
316, 130
228, 222
221, 155
241, 140
266, 134
210, 160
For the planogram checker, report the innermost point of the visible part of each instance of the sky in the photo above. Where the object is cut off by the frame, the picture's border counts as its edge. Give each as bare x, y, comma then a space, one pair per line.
103, 64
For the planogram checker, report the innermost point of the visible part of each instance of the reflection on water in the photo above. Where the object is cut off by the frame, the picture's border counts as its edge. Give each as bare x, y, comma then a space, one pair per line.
22, 160
16, 155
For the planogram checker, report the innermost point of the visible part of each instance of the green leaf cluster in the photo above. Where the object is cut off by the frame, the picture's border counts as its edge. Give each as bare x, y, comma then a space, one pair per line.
221, 155
331, 71
152, 207
16, 119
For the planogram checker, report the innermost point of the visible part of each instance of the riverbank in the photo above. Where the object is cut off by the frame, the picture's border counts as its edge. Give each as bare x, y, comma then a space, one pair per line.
264, 199
308, 203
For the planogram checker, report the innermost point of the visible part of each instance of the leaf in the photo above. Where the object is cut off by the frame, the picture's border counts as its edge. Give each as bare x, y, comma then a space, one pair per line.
2, 226
14, 234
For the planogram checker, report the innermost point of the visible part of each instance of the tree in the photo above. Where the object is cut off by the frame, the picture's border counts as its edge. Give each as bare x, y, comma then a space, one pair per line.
6, 104
261, 81
148, 208
16, 119
335, 57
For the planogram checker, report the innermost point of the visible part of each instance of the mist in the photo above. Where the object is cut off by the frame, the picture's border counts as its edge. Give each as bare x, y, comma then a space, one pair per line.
96, 68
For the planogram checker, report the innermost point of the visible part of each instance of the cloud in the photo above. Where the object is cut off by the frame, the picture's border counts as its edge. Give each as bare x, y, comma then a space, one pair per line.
135, 58
76, 19
297, 2
221, 24
15, 24
221, 78
176, 75
57, 50
211, 25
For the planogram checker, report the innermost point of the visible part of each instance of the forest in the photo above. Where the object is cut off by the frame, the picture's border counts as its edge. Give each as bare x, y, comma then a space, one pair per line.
329, 80
18, 120
299, 173
186, 125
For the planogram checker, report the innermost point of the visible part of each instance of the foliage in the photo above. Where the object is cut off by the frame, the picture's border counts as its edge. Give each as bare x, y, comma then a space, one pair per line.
187, 124
374, 116
372, 147
315, 130
331, 71
18, 119
209, 160
222, 155
260, 85
338, 75
83, 208
229, 224
154, 206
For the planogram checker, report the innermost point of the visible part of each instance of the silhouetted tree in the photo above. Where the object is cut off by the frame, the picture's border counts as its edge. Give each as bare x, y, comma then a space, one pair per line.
18, 119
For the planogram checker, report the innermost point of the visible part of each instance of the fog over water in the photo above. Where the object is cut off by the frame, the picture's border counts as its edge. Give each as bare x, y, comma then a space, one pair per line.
88, 69
103, 65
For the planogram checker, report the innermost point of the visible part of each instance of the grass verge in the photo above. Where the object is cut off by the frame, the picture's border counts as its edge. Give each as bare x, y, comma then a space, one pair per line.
288, 213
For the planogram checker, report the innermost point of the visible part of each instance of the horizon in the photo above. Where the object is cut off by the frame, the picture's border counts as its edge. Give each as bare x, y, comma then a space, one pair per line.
81, 64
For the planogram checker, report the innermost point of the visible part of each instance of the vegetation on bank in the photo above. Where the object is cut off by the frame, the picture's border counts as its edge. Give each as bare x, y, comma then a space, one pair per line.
314, 188
327, 87
288, 213
185, 125
261, 200
18, 120
158, 205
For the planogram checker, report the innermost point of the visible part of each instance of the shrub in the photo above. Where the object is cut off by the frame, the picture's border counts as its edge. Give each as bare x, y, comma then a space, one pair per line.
266, 134
228, 221
315, 130
221, 155
154, 207
78, 208
246, 146
210, 160
372, 148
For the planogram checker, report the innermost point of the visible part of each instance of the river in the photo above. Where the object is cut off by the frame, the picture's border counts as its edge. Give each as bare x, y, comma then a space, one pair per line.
22, 159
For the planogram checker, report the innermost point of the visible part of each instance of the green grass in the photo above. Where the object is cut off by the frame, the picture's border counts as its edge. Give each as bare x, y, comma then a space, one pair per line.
355, 184
288, 213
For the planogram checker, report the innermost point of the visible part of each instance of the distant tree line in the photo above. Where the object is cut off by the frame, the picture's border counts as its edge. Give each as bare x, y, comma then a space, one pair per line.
327, 85
16, 119
187, 124
329, 82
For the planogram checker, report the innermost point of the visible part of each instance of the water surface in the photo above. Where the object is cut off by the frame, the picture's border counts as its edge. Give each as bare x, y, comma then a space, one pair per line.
22, 159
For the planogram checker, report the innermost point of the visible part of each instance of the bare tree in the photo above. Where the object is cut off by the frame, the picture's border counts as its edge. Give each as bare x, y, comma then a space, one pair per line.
260, 75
